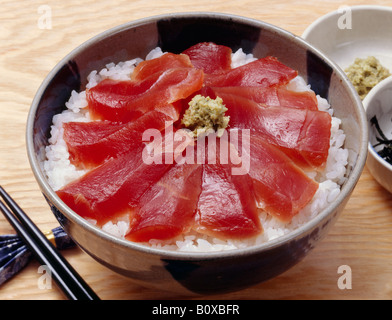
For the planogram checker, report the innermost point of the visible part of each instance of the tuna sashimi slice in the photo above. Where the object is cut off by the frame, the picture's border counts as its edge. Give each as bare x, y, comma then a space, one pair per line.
281, 187
210, 57
168, 208
264, 72
91, 143
105, 192
123, 101
158, 65
271, 96
226, 207
302, 134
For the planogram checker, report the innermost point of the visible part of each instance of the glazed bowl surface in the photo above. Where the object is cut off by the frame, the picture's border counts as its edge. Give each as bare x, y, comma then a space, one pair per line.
185, 272
378, 104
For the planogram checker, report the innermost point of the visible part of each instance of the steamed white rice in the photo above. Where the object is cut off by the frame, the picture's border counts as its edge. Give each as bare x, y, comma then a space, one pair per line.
60, 171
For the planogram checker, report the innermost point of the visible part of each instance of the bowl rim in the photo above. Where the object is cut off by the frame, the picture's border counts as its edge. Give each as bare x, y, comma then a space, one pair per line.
321, 20
387, 82
168, 254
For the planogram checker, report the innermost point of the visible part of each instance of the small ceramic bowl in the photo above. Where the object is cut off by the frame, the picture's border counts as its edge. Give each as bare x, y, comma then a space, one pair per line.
378, 103
202, 272
354, 32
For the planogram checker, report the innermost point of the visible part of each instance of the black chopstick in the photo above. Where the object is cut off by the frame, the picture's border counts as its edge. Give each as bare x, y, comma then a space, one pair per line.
69, 281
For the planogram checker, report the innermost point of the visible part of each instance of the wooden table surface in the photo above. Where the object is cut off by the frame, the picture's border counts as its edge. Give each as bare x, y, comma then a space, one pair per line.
361, 239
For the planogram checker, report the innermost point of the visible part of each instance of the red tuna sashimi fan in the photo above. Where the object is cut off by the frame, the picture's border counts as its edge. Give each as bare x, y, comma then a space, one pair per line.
208, 197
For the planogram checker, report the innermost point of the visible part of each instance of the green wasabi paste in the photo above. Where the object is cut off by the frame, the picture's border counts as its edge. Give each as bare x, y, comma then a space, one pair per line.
205, 114
364, 74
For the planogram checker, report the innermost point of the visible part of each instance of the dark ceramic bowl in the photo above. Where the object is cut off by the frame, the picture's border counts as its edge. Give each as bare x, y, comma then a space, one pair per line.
201, 273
